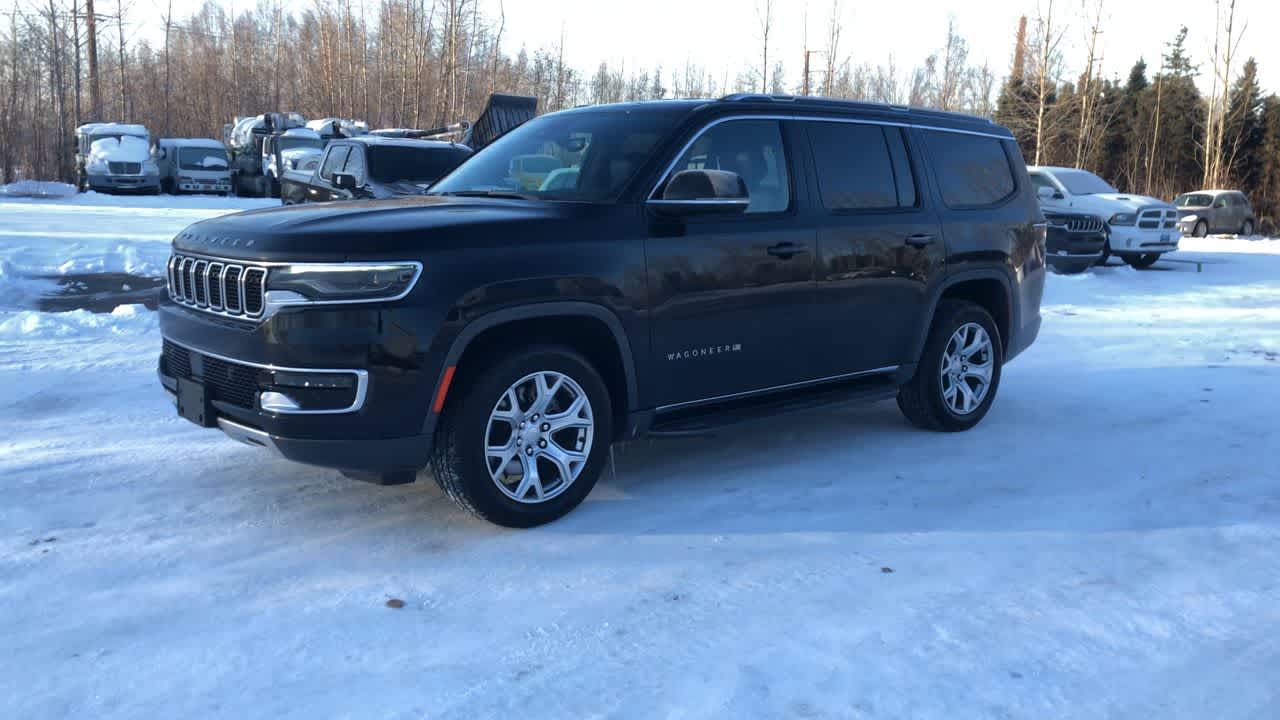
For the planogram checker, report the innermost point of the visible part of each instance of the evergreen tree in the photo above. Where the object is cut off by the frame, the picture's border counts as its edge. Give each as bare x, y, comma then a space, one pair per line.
1267, 196
1243, 131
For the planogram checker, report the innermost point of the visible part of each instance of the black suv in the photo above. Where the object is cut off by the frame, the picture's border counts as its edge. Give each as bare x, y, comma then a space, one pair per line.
675, 266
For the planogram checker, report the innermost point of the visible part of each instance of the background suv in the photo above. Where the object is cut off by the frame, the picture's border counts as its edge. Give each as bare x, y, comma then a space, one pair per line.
1215, 211
1139, 229
709, 262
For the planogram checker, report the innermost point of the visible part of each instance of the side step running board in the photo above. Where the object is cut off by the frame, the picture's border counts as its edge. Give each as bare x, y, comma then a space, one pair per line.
706, 419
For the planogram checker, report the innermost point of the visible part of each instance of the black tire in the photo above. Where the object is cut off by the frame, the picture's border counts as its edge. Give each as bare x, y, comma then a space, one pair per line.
167, 186
1143, 261
1201, 229
921, 399
1106, 253
459, 462
1247, 228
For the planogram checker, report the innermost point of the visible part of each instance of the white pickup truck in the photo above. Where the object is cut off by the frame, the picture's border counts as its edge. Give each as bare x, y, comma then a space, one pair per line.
1139, 229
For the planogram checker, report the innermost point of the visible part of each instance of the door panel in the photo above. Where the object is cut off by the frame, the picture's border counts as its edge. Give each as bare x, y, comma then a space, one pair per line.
732, 296
879, 246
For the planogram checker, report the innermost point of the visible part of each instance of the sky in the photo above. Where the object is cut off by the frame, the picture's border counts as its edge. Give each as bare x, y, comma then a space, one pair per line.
724, 35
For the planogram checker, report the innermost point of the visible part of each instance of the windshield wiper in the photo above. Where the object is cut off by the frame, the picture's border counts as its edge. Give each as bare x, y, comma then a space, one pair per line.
487, 193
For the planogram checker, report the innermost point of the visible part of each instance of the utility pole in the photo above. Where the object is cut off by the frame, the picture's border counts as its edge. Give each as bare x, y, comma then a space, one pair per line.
805, 84
95, 88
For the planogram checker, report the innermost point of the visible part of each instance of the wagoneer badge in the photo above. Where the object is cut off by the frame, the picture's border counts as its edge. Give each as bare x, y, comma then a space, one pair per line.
704, 352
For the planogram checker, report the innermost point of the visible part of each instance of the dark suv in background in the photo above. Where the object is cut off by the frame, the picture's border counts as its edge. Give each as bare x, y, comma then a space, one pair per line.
696, 263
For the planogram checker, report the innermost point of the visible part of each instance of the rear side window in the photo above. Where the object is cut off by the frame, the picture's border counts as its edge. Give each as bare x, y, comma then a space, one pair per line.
973, 171
855, 169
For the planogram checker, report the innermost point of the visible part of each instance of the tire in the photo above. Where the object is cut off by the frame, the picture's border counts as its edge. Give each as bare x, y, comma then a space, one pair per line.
1106, 254
167, 186
923, 399
471, 476
1201, 229
1247, 229
1143, 261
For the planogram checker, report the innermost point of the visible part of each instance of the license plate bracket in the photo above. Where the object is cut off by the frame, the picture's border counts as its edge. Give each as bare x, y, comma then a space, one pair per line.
194, 403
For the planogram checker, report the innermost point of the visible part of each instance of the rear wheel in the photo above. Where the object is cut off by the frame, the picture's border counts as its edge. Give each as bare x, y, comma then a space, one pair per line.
1143, 261
959, 372
523, 441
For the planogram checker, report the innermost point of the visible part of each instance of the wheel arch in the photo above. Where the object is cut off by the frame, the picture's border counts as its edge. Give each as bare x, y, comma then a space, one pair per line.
588, 328
989, 288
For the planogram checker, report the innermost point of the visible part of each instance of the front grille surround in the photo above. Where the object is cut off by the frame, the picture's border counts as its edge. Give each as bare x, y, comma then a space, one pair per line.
1156, 219
124, 168
1080, 224
218, 286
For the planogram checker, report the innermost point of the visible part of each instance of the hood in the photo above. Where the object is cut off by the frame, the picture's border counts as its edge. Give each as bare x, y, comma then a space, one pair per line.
401, 187
403, 227
126, 149
1125, 201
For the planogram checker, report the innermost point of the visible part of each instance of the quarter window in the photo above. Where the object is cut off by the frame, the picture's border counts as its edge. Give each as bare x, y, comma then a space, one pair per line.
752, 149
973, 171
861, 167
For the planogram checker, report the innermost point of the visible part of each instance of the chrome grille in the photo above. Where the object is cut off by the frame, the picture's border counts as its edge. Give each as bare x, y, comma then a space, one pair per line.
218, 287
1084, 225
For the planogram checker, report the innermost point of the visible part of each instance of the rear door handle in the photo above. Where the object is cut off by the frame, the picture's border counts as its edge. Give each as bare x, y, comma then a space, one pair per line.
787, 250
919, 239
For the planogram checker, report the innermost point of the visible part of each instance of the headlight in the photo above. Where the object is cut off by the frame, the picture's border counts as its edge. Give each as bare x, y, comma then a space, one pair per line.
1190, 218
97, 164
1123, 219
345, 282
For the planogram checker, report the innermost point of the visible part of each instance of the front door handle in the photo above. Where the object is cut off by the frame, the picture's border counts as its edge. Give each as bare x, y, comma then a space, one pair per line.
919, 239
786, 250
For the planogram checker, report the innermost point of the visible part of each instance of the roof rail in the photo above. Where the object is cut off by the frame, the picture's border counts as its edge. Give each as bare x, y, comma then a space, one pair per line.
820, 100
757, 97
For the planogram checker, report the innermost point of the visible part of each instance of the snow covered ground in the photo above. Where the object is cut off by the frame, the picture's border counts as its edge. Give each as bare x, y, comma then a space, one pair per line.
1105, 544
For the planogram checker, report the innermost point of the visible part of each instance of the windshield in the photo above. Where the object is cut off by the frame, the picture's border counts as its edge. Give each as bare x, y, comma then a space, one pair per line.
413, 164
197, 158
1193, 200
603, 150
289, 143
1082, 182
113, 136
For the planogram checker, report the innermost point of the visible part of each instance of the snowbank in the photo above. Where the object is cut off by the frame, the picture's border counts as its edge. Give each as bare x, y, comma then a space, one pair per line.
32, 324
41, 189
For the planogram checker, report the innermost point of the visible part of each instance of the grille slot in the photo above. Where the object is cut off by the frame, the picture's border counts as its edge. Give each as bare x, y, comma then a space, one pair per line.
1084, 225
218, 287
228, 382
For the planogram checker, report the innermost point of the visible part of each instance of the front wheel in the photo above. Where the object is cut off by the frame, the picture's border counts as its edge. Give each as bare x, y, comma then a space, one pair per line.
1247, 229
959, 372
523, 441
1143, 261
1201, 229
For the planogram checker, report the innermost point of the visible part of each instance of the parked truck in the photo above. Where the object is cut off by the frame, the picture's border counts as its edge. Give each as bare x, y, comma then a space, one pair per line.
115, 157
245, 142
192, 165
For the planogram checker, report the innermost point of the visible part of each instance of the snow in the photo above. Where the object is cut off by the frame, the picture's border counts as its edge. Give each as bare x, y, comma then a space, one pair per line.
126, 148
1105, 544
37, 189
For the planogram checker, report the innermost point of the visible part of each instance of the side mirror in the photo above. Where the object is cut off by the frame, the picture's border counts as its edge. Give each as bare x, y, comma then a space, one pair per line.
1048, 193
344, 181
704, 192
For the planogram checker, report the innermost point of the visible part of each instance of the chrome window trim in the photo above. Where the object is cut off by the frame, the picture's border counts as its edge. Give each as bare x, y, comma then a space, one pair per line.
652, 194
774, 388
362, 379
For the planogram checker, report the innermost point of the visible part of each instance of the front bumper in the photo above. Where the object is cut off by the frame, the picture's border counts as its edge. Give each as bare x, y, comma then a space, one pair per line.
385, 426
1132, 239
106, 181
220, 186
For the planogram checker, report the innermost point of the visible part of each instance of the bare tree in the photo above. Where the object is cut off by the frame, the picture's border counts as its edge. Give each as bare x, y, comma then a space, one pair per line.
1226, 41
834, 29
764, 15
1088, 91
1048, 66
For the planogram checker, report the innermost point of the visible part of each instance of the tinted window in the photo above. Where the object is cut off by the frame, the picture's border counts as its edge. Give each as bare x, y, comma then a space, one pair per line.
198, 158
414, 164
751, 148
1193, 200
972, 170
1082, 182
854, 169
334, 161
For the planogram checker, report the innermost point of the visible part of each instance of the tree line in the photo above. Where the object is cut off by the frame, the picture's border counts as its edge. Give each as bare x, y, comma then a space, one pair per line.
424, 63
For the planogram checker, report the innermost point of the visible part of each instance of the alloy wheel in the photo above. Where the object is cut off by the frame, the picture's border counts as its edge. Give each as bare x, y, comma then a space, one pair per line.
539, 437
968, 362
